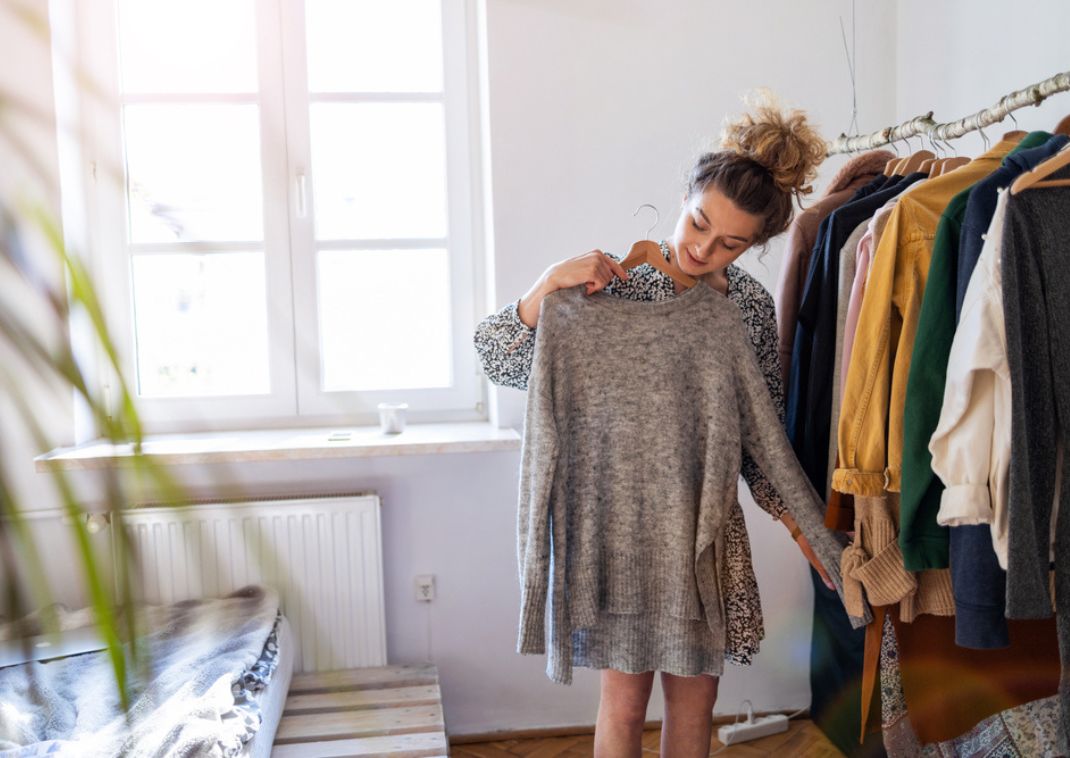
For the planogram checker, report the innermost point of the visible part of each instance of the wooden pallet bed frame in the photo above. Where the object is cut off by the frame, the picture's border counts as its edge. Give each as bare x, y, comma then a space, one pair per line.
392, 711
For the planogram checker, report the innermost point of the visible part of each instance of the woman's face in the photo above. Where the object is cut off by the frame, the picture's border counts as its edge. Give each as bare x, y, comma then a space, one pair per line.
711, 232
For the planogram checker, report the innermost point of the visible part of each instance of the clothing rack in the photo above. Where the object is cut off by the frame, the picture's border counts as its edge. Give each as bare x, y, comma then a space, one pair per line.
1034, 94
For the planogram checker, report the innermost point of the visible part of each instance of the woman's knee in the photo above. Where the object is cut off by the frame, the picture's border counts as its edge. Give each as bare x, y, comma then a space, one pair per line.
625, 696
699, 692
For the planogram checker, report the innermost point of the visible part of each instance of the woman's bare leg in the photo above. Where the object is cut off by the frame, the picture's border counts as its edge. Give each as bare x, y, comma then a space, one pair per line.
618, 732
688, 723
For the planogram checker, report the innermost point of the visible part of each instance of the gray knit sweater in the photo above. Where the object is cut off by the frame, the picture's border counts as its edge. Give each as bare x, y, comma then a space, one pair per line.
629, 467
1036, 307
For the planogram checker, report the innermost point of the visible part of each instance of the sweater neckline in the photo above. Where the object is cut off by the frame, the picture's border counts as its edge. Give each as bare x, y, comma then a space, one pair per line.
695, 294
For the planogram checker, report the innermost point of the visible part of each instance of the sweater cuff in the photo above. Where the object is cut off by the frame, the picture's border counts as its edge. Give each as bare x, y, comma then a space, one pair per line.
857, 482
532, 636
965, 505
854, 599
885, 579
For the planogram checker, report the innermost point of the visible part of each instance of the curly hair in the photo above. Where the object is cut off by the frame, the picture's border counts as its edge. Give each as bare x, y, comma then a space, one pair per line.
768, 158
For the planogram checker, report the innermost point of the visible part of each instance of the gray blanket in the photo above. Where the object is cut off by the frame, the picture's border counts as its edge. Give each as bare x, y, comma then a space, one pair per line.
200, 652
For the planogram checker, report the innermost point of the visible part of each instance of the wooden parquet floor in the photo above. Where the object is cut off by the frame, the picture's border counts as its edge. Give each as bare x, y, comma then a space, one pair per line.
802, 740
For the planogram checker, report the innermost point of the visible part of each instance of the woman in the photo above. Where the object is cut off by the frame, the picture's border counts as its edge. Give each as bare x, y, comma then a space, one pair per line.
735, 199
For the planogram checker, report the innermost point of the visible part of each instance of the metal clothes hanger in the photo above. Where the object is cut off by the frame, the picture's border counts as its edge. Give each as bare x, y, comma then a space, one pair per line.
952, 162
911, 164
1017, 133
645, 251
930, 165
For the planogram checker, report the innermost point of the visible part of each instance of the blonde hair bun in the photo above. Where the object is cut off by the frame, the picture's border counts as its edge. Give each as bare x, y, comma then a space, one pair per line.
779, 140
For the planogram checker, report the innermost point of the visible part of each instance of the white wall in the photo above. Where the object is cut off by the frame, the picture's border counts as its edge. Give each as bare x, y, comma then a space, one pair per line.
957, 57
595, 107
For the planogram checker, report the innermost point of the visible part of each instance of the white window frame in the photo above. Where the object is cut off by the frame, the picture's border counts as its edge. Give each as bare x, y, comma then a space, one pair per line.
295, 398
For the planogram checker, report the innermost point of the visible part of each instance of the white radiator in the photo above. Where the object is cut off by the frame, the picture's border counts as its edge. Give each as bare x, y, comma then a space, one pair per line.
322, 554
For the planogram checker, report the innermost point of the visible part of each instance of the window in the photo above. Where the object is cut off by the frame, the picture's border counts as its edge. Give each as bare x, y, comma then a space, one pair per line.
283, 205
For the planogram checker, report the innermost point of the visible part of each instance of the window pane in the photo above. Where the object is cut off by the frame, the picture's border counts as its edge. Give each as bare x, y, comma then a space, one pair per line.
187, 46
379, 170
384, 318
201, 323
193, 172
374, 45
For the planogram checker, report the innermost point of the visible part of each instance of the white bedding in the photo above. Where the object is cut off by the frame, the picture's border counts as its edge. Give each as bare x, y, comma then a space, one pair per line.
204, 655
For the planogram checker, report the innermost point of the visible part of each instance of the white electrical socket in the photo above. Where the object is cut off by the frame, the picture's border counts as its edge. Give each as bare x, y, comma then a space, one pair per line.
425, 588
762, 726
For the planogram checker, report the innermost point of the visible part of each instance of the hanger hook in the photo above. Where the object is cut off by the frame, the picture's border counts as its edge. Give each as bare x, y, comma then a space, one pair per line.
657, 217
985, 138
1010, 112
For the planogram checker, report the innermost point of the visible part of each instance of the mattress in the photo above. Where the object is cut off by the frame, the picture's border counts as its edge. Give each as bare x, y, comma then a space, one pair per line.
272, 699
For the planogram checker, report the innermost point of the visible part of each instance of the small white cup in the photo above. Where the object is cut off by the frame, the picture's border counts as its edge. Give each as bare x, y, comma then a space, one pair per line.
392, 417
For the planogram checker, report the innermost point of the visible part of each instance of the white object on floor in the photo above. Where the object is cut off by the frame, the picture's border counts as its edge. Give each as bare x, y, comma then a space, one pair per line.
762, 726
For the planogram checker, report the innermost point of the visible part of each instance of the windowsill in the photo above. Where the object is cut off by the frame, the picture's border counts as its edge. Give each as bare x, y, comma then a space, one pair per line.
288, 445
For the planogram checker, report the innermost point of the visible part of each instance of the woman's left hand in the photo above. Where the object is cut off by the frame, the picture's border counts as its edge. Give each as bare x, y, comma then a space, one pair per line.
812, 557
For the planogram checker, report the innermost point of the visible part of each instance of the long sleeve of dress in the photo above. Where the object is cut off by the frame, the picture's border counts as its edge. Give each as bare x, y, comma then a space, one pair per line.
767, 443
505, 346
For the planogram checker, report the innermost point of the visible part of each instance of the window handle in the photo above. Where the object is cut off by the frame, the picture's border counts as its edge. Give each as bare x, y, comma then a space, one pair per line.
302, 195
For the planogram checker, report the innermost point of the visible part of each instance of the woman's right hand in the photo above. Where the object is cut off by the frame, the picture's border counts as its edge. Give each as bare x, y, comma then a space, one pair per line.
595, 269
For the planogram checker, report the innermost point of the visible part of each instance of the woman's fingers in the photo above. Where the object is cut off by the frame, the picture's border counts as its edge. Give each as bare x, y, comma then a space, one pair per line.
601, 272
812, 558
616, 268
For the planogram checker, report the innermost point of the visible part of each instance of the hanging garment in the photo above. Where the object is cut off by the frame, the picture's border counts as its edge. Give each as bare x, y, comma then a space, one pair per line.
628, 472
855, 173
809, 396
870, 433
840, 513
982, 203
836, 675
1032, 728
866, 247
971, 443
505, 346
923, 541
949, 689
848, 269
1036, 306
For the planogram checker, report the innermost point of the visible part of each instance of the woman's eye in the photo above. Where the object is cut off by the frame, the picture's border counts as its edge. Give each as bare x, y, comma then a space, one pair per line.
697, 227
731, 249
